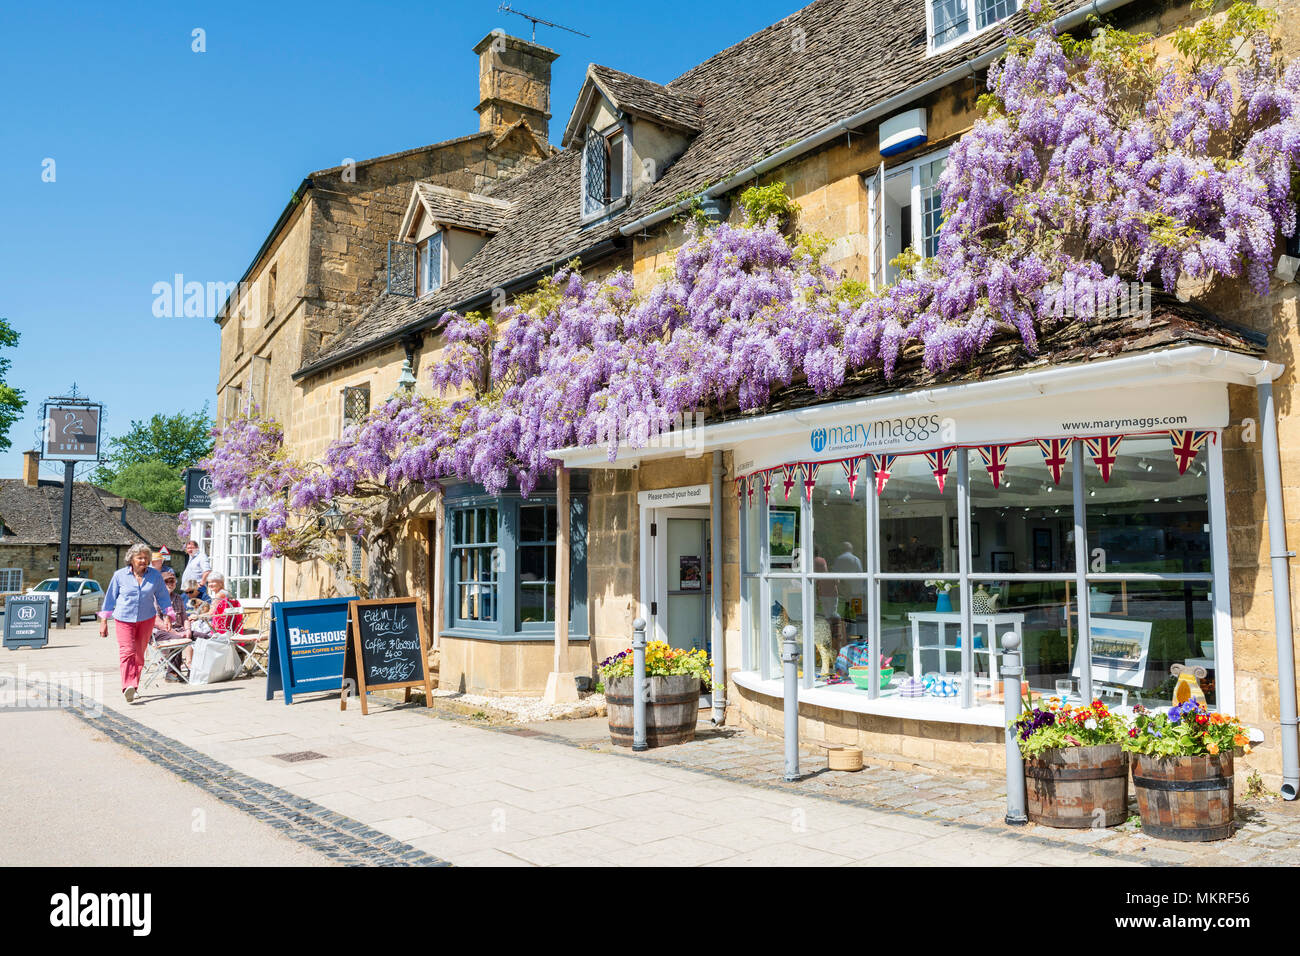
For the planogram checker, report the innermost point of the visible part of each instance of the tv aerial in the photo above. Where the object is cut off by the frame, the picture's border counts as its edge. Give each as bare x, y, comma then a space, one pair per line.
506, 8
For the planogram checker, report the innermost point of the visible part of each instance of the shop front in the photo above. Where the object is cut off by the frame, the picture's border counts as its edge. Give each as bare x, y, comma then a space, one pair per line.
1081, 508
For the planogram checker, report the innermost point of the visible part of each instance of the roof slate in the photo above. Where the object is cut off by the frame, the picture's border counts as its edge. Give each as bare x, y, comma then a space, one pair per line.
35, 516
824, 63
459, 208
632, 94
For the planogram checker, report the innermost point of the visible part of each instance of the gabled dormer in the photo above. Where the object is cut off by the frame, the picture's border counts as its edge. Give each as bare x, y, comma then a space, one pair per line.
441, 231
629, 130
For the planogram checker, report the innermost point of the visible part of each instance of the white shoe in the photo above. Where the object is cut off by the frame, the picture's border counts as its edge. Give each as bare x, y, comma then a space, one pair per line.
129, 694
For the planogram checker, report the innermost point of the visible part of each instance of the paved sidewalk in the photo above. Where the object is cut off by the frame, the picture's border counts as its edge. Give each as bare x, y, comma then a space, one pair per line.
556, 793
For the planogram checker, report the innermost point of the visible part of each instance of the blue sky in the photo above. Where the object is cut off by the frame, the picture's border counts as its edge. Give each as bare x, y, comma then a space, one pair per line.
170, 161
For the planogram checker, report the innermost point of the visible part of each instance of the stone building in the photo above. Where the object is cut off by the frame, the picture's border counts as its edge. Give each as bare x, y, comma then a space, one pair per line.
104, 527
852, 105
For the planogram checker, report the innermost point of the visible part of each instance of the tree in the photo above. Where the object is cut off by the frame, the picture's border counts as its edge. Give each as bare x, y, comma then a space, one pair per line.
150, 457
155, 484
12, 402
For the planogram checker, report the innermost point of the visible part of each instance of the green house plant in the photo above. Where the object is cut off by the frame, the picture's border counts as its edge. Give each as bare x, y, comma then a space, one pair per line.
1076, 771
674, 678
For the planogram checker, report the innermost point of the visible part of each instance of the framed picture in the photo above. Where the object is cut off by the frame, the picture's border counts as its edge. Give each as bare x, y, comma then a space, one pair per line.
954, 537
1119, 651
1042, 549
1003, 561
782, 535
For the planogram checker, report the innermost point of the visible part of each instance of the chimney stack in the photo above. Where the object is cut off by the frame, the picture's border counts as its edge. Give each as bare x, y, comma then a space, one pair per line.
31, 468
514, 81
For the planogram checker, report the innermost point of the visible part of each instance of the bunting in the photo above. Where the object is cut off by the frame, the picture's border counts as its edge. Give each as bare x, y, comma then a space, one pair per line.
1103, 452
995, 461
1187, 443
851, 466
1056, 455
788, 472
752, 486
809, 469
767, 483
883, 465
740, 488
940, 462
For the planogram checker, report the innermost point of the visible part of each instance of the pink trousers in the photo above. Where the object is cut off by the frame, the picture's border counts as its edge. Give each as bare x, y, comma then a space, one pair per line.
132, 636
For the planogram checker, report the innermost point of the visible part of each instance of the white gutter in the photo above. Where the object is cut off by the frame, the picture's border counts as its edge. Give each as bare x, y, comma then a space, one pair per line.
1188, 362
884, 107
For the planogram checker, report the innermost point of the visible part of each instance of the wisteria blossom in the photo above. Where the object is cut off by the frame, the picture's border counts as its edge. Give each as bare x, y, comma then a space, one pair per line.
1093, 164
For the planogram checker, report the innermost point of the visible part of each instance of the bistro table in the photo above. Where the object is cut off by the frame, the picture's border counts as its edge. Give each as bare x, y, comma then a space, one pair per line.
943, 619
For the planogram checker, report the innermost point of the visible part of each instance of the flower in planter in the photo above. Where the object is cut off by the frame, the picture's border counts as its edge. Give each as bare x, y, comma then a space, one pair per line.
1055, 726
1185, 730
661, 661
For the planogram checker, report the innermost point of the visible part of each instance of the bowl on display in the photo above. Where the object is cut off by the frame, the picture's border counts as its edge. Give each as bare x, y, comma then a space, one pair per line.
861, 676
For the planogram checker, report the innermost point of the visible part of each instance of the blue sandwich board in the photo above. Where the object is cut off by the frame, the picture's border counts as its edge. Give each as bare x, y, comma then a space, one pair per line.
307, 640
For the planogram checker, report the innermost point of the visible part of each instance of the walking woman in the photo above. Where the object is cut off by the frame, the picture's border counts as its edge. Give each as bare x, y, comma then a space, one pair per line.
135, 595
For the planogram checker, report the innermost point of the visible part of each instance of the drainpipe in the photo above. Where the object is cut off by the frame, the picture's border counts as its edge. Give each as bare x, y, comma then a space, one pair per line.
715, 593
1278, 556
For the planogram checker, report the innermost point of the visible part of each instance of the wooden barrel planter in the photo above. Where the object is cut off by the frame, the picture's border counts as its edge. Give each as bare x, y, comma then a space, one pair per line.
672, 709
1078, 787
1185, 798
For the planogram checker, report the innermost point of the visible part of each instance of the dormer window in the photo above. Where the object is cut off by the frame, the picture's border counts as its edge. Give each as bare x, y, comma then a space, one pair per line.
951, 21
428, 264
604, 171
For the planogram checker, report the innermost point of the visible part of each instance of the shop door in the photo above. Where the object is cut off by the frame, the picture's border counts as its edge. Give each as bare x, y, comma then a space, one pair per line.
680, 611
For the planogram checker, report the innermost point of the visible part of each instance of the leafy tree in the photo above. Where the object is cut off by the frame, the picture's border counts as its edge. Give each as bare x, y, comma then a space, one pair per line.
179, 441
12, 402
155, 484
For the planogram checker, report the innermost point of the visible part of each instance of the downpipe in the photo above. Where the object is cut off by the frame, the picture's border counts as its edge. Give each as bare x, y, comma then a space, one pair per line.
715, 596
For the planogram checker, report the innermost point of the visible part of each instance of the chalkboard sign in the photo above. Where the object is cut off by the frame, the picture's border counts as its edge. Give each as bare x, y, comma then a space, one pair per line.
307, 644
27, 621
387, 650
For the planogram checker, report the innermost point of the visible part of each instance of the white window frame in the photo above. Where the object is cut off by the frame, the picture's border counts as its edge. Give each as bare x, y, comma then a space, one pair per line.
918, 218
242, 550
424, 283
972, 9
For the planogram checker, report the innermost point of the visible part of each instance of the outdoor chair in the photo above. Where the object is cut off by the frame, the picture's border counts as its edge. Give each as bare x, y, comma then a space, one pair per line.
162, 657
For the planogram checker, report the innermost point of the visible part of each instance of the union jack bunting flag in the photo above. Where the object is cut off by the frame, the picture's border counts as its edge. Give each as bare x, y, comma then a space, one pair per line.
740, 488
1186, 444
809, 469
851, 467
883, 465
767, 483
1056, 455
787, 474
995, 461
940, 463
754, 479
1104, 452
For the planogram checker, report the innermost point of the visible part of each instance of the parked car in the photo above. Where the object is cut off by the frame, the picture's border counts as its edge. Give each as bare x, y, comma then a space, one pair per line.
91, 594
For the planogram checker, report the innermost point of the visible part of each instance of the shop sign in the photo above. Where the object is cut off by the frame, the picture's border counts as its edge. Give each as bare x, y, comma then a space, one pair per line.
882, 433
27, 621
71, 433
198, 489
672, 497
387, 649
308, 639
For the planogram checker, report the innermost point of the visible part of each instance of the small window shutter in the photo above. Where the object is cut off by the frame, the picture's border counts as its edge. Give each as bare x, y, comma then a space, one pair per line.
401, 268
877, 191
594, 179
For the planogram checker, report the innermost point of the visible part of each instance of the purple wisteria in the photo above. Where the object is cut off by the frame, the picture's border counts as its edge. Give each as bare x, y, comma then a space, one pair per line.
1093, 165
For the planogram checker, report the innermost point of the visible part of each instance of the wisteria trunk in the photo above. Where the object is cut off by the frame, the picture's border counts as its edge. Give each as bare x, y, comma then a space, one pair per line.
382, 575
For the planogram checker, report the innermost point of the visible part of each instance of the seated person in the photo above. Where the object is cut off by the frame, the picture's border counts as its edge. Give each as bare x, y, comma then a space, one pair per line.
224, 615
172, 629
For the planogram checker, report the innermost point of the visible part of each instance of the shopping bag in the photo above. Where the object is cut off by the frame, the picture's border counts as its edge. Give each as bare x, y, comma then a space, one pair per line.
215, 660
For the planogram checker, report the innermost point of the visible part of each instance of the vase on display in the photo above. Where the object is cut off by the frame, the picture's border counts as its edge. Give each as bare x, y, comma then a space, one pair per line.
944, 603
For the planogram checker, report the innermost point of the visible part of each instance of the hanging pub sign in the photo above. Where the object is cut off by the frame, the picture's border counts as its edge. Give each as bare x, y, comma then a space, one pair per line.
71, 432
27, 621
386, 650
198, 489
307, 643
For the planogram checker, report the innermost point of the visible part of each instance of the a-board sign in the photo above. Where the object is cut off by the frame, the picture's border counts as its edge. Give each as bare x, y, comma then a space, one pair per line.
27, 621
387, 649
307, 642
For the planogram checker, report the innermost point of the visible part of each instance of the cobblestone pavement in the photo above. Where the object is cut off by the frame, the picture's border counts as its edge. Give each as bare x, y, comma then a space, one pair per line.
460, 787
